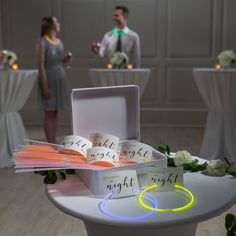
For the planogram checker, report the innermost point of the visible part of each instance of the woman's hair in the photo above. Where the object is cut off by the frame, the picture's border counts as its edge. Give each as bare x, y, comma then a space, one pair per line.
46, 24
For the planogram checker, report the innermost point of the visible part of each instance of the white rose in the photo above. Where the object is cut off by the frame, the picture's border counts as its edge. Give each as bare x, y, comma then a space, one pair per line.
216, 168
182, 157
7, 57
119, 59
11, 57
226, 57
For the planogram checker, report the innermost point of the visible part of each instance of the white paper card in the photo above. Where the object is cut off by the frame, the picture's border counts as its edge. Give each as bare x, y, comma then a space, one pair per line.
121, 183
76, 143
104, 140
136, 151
102, 154
166, 178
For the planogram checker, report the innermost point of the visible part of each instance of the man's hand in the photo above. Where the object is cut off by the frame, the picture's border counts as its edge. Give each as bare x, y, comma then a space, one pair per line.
95, 47
68, 57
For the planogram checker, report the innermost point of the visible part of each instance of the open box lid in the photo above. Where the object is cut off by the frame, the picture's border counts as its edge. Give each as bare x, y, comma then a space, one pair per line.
113, 110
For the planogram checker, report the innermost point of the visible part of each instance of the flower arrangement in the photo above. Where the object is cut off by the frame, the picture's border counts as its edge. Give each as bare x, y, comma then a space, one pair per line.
184, 158
7, 59
119, 60
226, 58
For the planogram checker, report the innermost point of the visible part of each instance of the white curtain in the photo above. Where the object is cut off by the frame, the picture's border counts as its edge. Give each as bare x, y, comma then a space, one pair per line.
218, 91
117, 77
15, 87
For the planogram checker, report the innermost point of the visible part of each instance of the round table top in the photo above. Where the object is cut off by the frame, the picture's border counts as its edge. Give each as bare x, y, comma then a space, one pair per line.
213, 195
133, 70
214, 70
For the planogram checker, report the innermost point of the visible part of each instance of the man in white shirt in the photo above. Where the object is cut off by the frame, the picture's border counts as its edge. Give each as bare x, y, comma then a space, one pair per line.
121, 38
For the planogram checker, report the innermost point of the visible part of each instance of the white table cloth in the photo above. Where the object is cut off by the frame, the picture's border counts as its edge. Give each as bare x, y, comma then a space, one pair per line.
15, 87
72, 197
116, 77
217, 88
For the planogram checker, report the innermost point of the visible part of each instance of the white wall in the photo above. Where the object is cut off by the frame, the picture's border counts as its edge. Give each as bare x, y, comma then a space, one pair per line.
176, 36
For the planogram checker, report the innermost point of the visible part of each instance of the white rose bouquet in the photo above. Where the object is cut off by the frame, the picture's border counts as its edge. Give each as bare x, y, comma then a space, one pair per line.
7, 58
226, 58
119, 60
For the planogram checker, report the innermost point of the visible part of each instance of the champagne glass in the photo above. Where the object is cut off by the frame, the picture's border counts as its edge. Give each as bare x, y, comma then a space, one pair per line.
68, 59
95, 47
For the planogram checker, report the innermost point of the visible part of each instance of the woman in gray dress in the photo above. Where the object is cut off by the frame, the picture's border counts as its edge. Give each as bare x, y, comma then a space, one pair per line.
51, 59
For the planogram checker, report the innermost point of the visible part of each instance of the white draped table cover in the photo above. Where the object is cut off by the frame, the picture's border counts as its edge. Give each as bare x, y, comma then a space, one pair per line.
15, 87
117, 77
217, 88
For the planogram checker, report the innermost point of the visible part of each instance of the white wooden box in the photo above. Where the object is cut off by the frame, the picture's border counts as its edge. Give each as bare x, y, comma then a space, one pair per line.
112, 110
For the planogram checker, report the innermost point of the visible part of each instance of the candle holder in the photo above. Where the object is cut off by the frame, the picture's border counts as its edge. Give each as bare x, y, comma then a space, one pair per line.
218, 66
109, 66
130, 66
14, 66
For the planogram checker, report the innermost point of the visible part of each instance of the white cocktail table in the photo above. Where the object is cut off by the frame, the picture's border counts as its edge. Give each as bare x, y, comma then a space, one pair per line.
117, 77
217, 88
15, 88
213, 195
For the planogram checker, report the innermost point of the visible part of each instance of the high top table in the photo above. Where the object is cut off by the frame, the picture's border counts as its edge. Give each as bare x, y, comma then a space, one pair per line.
15, 88
217, 88
116, 77
213, 195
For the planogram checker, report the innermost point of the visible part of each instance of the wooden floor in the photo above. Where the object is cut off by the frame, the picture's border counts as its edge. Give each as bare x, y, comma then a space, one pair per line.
26, 211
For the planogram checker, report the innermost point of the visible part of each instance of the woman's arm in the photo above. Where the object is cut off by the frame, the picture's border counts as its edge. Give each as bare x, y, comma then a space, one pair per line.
40, 52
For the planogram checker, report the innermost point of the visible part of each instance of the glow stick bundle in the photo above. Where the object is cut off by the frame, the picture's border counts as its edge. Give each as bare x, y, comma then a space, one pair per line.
74, 152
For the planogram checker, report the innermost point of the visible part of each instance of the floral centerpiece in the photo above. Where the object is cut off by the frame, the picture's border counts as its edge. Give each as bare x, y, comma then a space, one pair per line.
183, 158
7, 59
226, 58
119, 60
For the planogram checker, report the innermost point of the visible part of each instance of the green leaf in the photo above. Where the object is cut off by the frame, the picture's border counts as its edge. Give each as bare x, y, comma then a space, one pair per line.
233, 228
194, 166
70, 171
41, 172
230, 233
63, 175
167, 148
170, 161
230, 219
51, 177
227, 161
232, 170
163, 148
